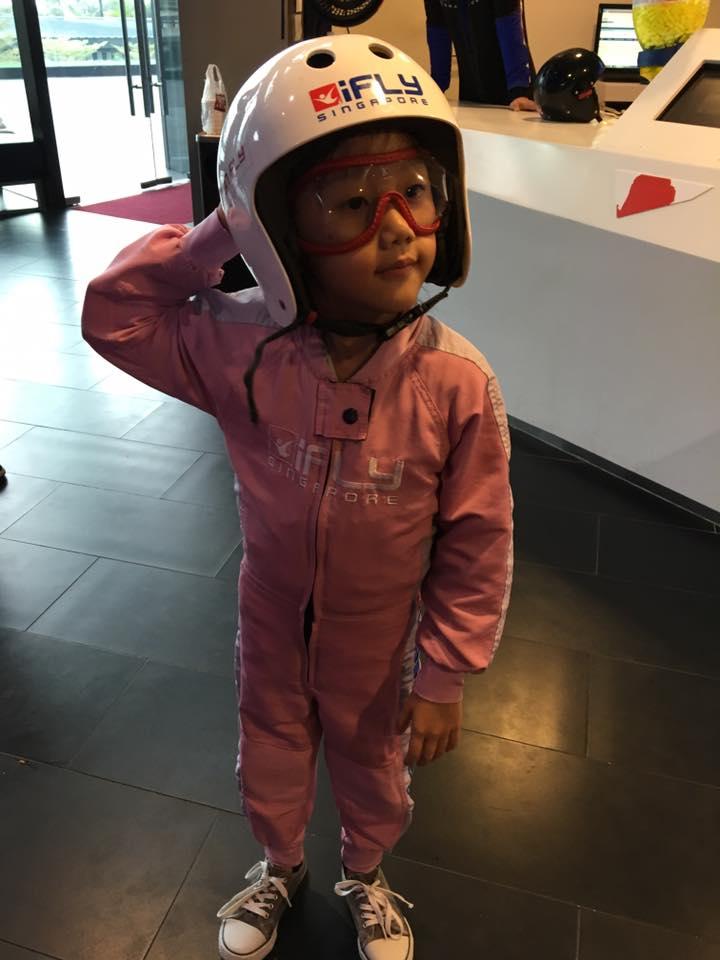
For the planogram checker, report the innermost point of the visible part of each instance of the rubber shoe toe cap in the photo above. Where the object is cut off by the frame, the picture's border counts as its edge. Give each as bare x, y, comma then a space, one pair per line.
239, 939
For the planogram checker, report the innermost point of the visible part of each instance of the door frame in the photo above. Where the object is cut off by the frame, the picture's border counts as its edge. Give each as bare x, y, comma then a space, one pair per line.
34, 161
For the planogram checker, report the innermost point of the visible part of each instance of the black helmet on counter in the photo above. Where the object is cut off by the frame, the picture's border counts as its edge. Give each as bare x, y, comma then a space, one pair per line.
565, 86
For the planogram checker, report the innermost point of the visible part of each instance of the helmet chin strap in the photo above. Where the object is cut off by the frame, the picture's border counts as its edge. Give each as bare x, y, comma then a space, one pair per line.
357, 328
347, 328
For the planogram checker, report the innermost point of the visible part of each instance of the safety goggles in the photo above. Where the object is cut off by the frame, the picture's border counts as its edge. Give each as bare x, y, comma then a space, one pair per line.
339, 204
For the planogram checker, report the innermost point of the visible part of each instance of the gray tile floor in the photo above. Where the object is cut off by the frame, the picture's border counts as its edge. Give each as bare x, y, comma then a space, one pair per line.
580, 820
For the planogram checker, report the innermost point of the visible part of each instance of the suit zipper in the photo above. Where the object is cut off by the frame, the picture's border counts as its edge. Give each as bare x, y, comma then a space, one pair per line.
314, 556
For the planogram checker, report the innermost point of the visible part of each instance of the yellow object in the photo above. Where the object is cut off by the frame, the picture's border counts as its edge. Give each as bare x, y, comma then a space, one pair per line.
663, 25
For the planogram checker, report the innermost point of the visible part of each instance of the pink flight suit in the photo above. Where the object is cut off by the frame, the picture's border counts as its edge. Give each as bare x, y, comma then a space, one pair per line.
384, 500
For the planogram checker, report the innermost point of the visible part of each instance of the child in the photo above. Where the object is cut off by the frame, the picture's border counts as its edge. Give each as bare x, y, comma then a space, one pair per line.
369, 442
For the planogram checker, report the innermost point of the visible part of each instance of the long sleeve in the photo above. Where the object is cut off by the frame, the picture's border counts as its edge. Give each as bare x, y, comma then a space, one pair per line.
512, 37
466, 591
138, 313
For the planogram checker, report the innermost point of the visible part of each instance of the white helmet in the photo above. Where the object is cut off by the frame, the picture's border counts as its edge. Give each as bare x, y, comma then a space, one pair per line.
315, 88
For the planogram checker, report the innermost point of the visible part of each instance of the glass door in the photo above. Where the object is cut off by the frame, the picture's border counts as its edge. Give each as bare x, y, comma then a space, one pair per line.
14, 113
15, 126
29, 167
116, 118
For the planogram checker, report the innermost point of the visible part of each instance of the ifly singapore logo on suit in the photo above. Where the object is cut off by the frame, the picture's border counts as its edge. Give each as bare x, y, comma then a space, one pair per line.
363, 92
305, 463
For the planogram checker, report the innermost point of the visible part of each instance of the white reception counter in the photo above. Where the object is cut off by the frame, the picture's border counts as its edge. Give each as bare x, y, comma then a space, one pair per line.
595, 287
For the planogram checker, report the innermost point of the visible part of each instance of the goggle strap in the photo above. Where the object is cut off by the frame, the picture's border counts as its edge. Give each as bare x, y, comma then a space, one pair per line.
358, 160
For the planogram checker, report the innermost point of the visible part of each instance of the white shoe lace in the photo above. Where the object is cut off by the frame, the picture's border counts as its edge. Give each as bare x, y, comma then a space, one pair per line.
259, 897
377, 906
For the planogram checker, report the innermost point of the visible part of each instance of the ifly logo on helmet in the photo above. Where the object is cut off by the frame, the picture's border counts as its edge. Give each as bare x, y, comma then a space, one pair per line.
363, 92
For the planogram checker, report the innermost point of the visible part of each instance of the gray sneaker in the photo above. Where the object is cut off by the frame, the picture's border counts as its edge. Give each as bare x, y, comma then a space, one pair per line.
383, 932
250, 920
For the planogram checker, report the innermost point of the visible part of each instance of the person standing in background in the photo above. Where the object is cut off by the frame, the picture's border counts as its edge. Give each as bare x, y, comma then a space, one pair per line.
490, 40
439, 44
314, 23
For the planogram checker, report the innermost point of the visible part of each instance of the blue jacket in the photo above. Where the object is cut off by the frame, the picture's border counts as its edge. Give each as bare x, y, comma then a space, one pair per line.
490, 41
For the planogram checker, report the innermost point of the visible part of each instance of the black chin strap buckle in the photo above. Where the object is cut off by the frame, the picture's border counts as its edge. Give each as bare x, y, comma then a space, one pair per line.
386, 333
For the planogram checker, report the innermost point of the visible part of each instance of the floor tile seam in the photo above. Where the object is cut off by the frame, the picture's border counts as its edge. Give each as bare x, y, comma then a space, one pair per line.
596, 469
23, 946
538, 507
606, 656
579, 907
597, 762
68, 765
54, 383
588, 705
137, 563
87, 433
652, 584
93, 486
606, 578
166, 398
19, 274
76, 643
153, 442
161, 447
23, 271
470, 876
597, 545
578, 932
600, 515
198, 458
179, 890
146, 661
227, 558
700, 940
560, 567
125, 491
7, 296
68, 587
652, 498
49, 493
80, 390
65, 351
30, 426
661, 525
71, 771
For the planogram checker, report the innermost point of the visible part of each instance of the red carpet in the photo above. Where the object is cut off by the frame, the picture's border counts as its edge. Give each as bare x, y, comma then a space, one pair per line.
169, 205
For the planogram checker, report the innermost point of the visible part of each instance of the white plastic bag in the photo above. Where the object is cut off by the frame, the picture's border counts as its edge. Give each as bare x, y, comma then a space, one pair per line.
214, 102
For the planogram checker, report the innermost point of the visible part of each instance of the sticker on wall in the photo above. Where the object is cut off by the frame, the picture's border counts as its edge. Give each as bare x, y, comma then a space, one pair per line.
639, 192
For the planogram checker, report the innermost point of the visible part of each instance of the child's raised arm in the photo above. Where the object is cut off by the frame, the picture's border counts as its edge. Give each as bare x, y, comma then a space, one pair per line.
138, 314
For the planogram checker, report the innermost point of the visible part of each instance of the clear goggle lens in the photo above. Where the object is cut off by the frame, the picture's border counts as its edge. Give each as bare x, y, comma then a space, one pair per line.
340, 204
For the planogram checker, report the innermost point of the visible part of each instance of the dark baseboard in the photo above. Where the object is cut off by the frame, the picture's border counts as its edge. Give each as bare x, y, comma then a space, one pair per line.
634, 479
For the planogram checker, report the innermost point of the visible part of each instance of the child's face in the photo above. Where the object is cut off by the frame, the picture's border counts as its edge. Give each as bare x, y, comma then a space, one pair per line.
383, 277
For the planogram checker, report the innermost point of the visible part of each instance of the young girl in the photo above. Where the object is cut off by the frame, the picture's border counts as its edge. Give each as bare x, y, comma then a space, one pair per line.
370, 446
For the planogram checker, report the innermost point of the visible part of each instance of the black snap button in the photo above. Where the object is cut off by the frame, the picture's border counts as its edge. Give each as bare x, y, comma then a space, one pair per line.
350, 415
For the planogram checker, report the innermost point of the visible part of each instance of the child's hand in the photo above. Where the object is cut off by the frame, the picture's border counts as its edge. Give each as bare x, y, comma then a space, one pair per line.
435, 728
221, 216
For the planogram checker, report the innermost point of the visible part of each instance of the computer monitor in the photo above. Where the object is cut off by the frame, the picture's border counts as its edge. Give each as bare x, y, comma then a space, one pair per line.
698, 103
616, 42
